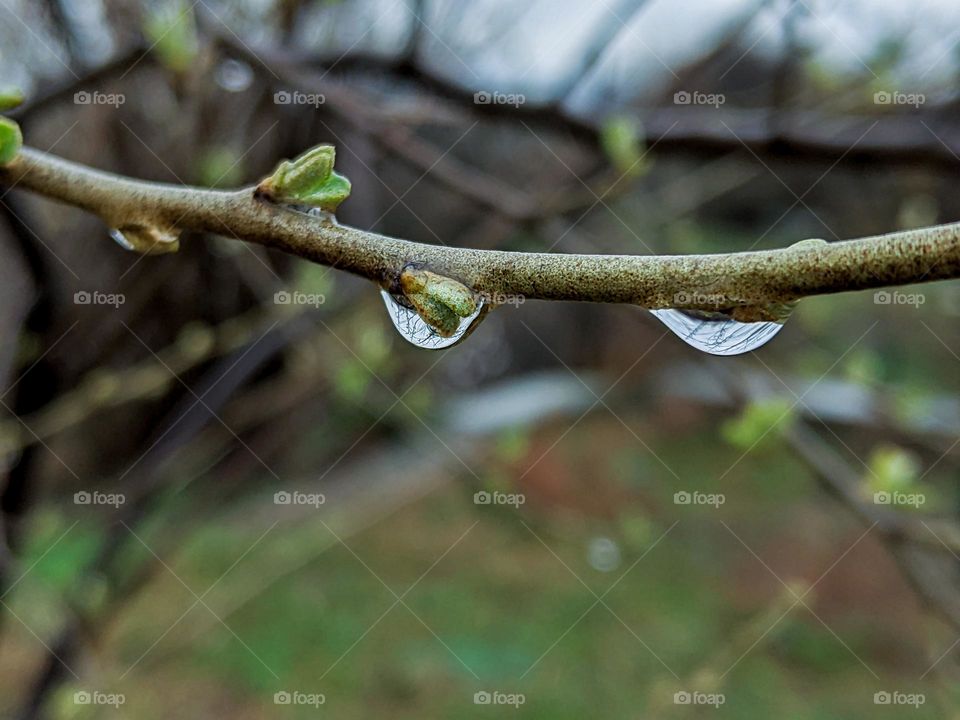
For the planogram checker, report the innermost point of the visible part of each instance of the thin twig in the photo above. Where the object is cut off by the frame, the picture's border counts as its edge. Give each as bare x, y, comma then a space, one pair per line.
743, 281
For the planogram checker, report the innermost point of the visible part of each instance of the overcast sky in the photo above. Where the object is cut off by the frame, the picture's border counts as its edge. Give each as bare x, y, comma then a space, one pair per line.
538, 47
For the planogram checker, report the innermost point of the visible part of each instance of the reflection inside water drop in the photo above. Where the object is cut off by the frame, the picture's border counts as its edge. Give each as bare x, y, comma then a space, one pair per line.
716, 333
416, 331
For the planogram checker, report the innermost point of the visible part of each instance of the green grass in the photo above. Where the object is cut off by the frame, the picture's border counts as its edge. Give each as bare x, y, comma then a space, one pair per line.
509, 607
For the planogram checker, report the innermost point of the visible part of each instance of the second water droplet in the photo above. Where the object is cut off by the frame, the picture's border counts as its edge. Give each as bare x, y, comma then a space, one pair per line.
717, 334
416, 331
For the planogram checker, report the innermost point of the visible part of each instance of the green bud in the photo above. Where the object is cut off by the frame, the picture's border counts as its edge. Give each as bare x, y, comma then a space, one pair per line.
10, 97
439, 300
11, 140
308, 180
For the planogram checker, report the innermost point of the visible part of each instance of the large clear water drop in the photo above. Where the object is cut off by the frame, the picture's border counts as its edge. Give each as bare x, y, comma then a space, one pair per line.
416, 331
716, 333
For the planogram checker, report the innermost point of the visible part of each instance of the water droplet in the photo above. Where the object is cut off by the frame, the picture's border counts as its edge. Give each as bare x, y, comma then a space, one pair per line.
603, 554
327, 217
120, 239
234, 76
146, 239
415, 330
716, 333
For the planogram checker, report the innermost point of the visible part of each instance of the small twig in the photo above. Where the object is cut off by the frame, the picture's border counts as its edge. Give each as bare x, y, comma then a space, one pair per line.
101, 389
920, 546
49, 95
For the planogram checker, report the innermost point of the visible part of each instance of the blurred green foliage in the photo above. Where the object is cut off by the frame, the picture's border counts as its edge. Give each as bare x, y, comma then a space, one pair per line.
170, 29
622, 141
758, 420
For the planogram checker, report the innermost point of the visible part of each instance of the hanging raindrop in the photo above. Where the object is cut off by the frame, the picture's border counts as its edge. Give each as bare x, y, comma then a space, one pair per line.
716, 333
120, 239
416, 331
327, 217
146, 239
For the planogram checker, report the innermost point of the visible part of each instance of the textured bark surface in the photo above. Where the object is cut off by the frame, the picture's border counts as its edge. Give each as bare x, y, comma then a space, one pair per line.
751, 281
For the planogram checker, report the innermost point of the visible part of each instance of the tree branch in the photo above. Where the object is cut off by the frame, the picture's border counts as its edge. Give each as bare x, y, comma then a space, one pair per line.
742, 282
